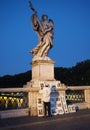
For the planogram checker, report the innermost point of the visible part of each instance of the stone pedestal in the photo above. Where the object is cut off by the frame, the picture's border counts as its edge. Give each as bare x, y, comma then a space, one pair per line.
43, 70
42, 73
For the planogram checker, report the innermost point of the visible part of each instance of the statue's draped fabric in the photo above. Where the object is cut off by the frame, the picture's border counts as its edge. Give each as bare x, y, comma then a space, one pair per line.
44, 29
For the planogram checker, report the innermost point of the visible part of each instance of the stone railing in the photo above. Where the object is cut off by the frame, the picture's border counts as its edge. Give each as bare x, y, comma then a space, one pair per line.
79, 95
14, 98
14, 102
22, 98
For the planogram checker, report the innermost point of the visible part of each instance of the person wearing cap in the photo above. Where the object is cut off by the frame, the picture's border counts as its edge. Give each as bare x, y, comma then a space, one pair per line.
46, 99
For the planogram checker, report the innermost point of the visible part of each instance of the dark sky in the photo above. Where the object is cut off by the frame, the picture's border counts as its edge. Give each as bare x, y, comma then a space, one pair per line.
71, 33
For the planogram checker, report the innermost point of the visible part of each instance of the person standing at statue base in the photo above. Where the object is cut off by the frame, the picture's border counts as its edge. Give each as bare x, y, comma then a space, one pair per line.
46, 99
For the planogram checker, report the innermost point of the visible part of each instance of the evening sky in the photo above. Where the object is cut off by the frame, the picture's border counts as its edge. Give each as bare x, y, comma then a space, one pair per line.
71, 33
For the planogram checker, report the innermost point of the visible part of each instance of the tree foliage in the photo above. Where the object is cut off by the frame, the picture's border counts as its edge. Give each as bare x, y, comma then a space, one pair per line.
77, 75
18, 80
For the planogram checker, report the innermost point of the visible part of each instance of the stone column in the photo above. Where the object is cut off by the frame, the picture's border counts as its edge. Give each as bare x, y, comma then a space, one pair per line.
87, 97
32, 101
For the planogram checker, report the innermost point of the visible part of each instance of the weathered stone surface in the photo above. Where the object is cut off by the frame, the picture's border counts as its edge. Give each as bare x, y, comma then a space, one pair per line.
43, 70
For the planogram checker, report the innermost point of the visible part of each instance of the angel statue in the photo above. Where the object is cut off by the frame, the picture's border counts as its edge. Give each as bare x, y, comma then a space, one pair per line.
44, 29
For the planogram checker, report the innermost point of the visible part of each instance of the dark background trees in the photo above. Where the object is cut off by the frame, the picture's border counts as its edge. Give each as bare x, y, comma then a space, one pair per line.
76, 75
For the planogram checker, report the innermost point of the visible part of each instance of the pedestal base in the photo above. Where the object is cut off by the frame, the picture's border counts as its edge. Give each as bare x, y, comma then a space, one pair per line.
42, 73
34, 94
43, 70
